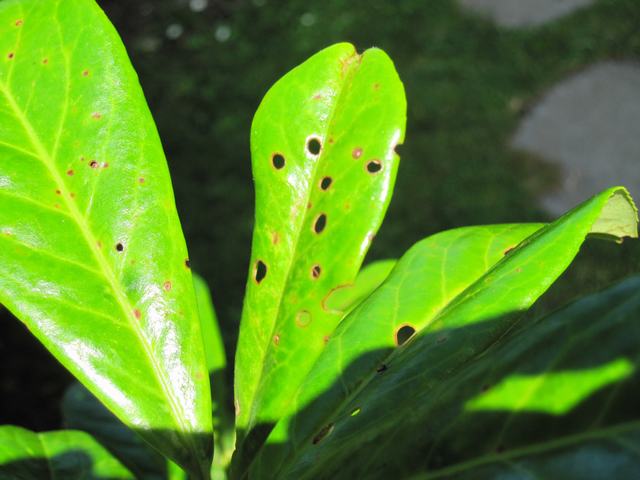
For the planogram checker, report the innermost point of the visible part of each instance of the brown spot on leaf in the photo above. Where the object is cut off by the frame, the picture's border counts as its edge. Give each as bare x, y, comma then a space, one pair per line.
93, 164
276, 339
85, 73
275, 238
187, 263
303, 318
70, 173
96, 115
19, 22
137, 314
315, 271
119, 247
167, 286
357, 152
58, 192
141, 180
45, 61
376, 86
11, 55
322, 434
507, 251
317, 96
325, 339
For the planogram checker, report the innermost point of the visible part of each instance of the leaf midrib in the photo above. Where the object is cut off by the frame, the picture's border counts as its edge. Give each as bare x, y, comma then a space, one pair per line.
49, 162
348, 77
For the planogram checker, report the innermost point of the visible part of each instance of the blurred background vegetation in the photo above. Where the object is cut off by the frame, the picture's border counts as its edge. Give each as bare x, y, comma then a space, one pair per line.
205, 65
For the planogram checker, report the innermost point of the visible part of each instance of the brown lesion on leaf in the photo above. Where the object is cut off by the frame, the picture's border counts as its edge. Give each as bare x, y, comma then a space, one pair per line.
166, 286
85, 73
276, 339
357, 152
303, 318
45, 61
137, 314
347, 63
322, 434
19, 22
275, 238
11, 55
376, 86
508, 250
315, 271
96, 115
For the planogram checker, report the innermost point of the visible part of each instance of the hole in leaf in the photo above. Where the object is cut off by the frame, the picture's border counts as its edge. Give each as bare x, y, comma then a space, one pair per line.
303, 318
93, 164
404, 333
374, 166
260, 271
320, 223
119, 247
187, 263
325, 183
357, 152
277, 160
315, 271
355, 411
322, 434
314, 146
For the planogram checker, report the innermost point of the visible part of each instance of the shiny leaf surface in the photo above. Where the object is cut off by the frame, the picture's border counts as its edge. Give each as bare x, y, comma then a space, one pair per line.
92, 256
366, 386
68, 455
82, 411
322, 146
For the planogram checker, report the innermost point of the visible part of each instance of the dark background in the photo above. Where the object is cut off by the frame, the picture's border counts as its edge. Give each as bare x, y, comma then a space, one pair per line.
468, 84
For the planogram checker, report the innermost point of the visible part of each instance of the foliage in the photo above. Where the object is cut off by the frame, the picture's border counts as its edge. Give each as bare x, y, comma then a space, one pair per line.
416, 360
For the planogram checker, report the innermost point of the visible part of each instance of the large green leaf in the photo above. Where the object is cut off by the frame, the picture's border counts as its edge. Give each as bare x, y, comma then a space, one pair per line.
67, 454
92, 256
82, 411
322, 145
367, 386
557, 399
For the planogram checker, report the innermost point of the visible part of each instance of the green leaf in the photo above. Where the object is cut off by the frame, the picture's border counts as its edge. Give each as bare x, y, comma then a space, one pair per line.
369, 278
83, 411
322, 145
585, 427
366, 386
65, 454
223, 420
92, 256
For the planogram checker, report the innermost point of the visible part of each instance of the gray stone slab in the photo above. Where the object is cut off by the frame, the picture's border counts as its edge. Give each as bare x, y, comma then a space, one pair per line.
589, 124
524, 13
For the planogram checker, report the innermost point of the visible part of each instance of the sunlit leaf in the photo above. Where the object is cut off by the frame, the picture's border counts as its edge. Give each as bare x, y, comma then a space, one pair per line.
68, 455
322, 145
92, 256
364, 386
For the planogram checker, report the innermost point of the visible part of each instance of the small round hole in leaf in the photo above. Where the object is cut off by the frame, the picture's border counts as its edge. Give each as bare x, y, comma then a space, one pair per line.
374, 166
315, 271
314, 146
277, 160
320, 223
259, 271
119, 247
404, 333
325, 183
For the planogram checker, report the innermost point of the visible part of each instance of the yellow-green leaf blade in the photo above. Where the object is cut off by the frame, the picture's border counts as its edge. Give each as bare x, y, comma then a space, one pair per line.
92, 256
324, 164
67, 454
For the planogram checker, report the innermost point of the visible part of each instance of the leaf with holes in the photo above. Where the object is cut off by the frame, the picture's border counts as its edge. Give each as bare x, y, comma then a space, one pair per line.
456, 300
545, 402
53, 455
92, 256
322, 145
